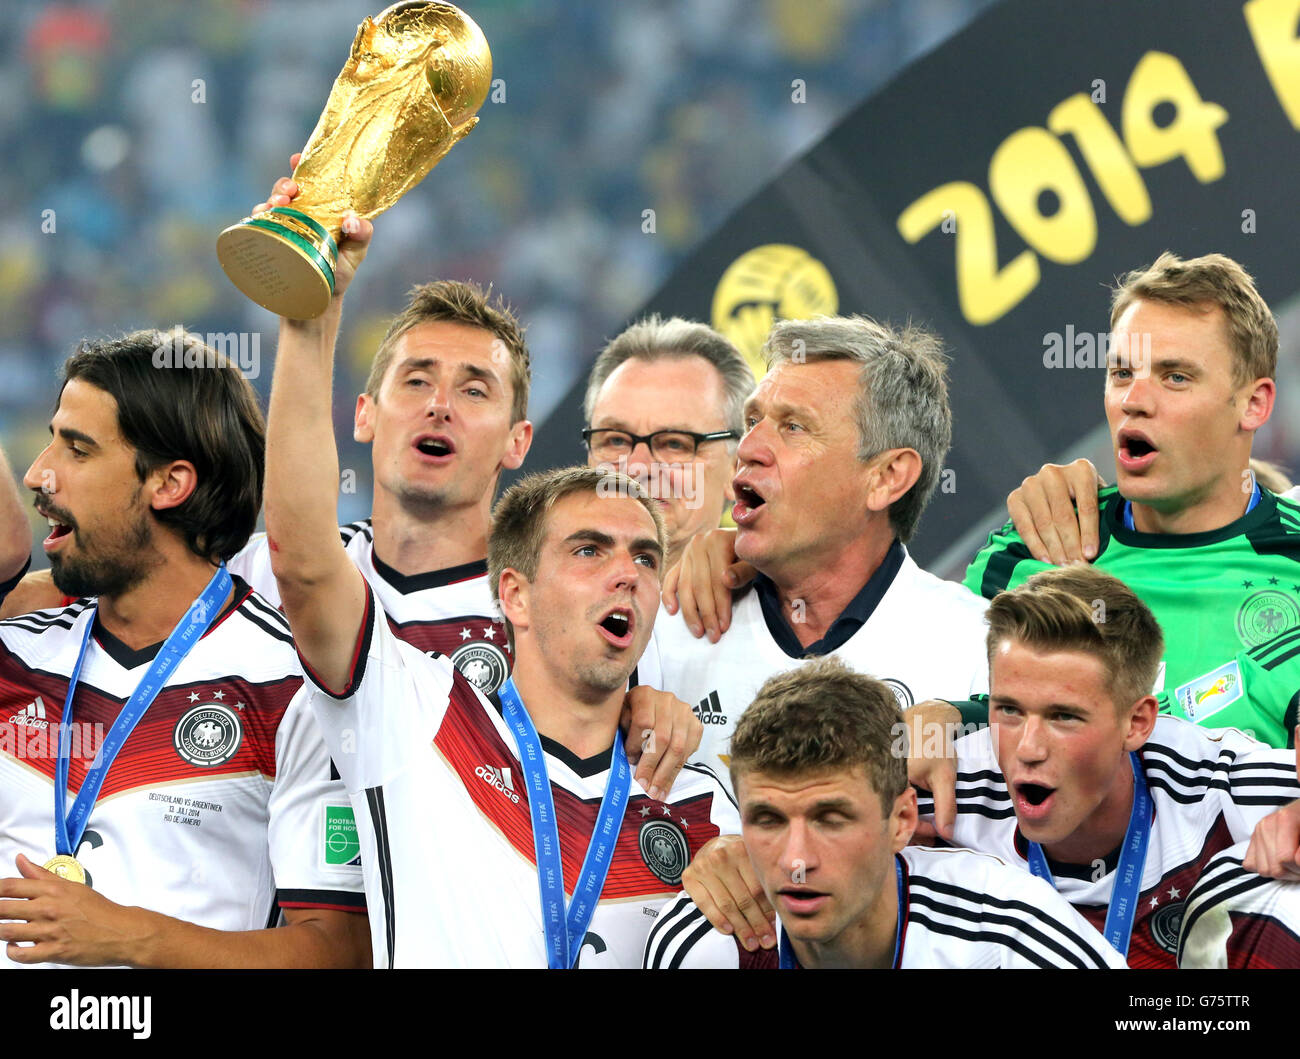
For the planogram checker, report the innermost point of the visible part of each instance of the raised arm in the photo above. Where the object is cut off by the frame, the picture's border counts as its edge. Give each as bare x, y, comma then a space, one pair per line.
15, 533
322, 592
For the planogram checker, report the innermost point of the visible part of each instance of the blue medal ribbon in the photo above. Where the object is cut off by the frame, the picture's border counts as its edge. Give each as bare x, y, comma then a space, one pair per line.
564, 933
1128, 876
1127, 510
69, 826
789, 962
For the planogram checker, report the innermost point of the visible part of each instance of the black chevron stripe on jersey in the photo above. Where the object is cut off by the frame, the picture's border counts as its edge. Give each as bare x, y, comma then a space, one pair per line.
984, 793
1272, 653
40, 620
667, 929
694, 936
22, 622
1185, 797
1194, 775
1001, 565
48, 614
271, 630
1275, 781
982, 776
925, 805
383, 854
705, 770
276, 617
362, 526
945, 899
1009, 941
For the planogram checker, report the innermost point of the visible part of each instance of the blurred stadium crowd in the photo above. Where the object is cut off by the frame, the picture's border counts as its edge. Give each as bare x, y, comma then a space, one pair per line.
147, 126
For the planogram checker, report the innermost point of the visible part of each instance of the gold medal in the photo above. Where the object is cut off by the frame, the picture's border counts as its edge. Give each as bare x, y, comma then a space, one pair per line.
66, 867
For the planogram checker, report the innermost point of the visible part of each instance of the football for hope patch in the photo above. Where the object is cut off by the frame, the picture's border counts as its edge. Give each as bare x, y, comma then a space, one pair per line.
1210, 693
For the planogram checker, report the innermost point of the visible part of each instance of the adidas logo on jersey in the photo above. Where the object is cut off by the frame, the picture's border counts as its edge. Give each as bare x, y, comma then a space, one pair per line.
709, 711
498, 779
31, 716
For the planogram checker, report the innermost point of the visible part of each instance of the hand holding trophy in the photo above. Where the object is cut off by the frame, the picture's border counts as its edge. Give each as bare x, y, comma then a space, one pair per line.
408, 93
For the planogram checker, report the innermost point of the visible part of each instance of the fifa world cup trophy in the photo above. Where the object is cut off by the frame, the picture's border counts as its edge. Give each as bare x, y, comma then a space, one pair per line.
407, 94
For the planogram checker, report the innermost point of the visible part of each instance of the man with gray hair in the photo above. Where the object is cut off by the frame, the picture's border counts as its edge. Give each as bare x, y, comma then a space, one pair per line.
845, 437
664, 405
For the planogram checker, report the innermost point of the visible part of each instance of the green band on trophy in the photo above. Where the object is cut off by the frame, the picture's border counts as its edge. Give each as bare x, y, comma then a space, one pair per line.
309, 251
321, 232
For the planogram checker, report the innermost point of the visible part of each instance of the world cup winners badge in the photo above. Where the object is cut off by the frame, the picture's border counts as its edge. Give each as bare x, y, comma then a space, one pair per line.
207, 735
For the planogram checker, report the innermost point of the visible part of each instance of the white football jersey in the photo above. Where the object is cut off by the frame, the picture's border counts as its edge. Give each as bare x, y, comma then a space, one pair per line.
220, 808
924, 639
446, 838
1209, 787
961, 910
1235, 918
450, 611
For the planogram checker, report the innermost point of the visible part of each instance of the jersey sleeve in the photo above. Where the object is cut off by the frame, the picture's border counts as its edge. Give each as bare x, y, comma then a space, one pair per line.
392, 690
1002, 563
683, 938
1051, 932
1239, 920
315, 854
253, 563
1247, 781
981, 791
1261, 683
724, 814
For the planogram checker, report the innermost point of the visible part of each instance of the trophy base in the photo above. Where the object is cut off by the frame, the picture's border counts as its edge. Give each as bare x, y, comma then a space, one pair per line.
283, 260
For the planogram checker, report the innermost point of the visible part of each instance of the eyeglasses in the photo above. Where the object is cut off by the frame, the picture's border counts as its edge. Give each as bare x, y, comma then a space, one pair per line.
666, 446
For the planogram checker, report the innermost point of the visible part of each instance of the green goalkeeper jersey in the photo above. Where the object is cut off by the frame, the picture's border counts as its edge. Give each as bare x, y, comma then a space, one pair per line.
1257, 691
1215, 594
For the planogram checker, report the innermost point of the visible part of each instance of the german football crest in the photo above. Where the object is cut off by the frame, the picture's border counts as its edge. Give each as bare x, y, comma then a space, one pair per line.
1165, 923
482, 664
901, 692
208, 735
664, 850
1264, 615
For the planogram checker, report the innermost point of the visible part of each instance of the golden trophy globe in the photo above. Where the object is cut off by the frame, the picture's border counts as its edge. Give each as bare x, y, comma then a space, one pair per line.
416, 75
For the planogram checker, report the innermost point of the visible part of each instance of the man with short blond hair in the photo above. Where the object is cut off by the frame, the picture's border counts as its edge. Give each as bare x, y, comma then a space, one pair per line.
1215, 555
459, 302
1077, 779
826, 815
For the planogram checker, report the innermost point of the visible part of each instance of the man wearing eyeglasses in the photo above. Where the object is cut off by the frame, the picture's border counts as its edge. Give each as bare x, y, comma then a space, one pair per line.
663, 404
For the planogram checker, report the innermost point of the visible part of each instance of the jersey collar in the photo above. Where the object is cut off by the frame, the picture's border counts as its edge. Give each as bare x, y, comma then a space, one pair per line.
408, 583
850, 620
585, 767
129, 658
1259, 514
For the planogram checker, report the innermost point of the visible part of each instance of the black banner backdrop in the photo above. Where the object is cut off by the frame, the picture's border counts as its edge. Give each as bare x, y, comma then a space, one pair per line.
995, 189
